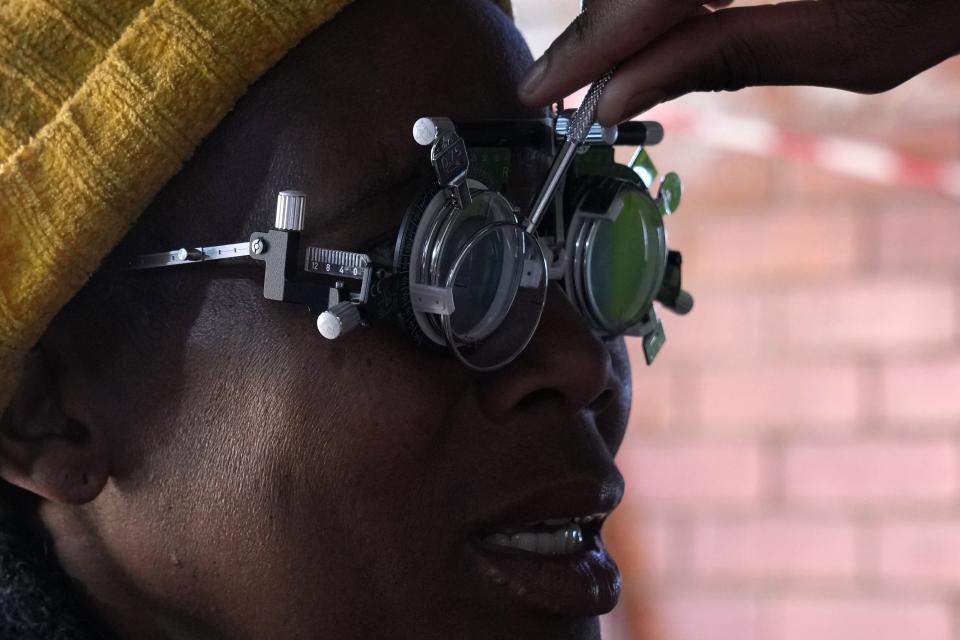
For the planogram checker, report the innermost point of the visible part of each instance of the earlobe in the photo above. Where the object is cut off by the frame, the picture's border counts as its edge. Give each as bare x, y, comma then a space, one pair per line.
42, 449
54, 467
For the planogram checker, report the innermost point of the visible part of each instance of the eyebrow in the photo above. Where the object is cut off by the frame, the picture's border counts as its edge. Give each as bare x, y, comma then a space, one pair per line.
380, 186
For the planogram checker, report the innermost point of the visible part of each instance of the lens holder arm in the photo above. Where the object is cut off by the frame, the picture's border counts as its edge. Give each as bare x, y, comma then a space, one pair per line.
448, 155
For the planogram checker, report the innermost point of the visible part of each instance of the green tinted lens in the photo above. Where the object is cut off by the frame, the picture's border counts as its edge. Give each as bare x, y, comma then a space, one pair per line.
623, 257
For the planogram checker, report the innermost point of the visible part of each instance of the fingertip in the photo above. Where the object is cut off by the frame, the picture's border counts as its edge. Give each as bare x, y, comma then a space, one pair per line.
608, 116
531, 100
609, 110
528, 90
612, 104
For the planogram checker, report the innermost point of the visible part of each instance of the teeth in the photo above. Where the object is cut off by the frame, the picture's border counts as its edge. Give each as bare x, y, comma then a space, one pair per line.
564, 541
500, 539
525, 541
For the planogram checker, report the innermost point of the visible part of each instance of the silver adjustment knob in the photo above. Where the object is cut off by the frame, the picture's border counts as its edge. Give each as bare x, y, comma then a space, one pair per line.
426, 131
290, 209
338, 320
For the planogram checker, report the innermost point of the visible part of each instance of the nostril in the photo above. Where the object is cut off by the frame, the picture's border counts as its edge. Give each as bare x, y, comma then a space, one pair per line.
539, 397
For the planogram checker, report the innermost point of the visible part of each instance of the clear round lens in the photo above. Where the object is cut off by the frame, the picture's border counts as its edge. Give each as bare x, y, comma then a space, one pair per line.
484, 286
625, 261
499, 283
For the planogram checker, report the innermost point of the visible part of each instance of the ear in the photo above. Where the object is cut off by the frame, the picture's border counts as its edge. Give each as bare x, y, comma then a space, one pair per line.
42, 448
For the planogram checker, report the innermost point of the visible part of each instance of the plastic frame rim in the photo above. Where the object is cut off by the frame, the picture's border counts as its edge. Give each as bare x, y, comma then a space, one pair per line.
425, 250
583, 230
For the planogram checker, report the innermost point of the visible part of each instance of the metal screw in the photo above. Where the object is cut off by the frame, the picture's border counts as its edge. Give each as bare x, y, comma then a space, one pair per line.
257, 246
193, 255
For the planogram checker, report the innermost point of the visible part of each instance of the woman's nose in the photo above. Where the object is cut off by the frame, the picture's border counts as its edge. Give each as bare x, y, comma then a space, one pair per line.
564, 362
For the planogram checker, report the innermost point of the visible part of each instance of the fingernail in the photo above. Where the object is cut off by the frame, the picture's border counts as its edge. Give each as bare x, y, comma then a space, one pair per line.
534, 76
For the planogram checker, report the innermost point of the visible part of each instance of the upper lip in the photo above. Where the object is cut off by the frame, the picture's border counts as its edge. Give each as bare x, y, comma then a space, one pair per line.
567, 498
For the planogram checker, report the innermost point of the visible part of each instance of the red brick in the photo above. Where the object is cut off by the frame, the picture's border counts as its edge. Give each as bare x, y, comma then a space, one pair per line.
709, 617
714, 180
930, 140
883, 474
771, 247
697, 475
642, 544
872, 316
653, 403
919, 238
660, 546
775, 547
664, 397
866, 619
724, 325
779, 395
924, 552
921, 391
809, 183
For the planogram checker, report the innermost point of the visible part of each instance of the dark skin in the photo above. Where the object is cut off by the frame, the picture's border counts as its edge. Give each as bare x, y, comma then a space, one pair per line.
666, 48
225, 472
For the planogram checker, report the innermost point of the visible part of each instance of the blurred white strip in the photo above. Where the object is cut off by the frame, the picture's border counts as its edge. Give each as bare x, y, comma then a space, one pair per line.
747, 135
863, 160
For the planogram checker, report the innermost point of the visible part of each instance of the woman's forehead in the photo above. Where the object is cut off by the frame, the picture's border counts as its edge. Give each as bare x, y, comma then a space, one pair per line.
353, 155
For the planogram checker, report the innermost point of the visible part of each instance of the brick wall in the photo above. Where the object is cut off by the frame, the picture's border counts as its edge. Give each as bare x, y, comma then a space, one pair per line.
793, 458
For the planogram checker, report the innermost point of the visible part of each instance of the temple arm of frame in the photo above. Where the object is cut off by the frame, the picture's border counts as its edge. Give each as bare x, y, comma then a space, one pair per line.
187, 256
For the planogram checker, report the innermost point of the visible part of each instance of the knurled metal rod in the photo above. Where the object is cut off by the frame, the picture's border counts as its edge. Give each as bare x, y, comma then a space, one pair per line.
580, 124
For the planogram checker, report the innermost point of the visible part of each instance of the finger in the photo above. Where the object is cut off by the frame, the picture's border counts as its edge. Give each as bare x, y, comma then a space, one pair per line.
605, 34
803, 42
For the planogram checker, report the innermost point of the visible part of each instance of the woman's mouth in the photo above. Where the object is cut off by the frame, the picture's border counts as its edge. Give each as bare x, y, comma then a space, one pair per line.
558, 566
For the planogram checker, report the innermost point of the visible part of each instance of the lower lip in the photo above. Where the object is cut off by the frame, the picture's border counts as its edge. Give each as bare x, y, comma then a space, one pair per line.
577, 585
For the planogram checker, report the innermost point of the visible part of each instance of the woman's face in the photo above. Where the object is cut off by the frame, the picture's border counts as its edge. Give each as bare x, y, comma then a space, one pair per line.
273, 484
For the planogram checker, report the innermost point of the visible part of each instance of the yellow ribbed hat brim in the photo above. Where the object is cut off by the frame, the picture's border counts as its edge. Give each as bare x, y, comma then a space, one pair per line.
102, 103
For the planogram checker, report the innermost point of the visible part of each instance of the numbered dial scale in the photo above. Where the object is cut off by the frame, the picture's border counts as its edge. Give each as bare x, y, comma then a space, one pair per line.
344, 271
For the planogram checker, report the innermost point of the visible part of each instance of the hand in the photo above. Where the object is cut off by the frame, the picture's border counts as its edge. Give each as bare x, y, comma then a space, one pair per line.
666, 48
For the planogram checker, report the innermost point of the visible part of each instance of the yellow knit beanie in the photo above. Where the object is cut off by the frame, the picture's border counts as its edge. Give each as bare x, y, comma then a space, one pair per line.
100, 104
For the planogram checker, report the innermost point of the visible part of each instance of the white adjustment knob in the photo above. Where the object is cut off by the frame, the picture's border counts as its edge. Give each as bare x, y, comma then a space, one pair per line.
425, 132
290, 208
338, 320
